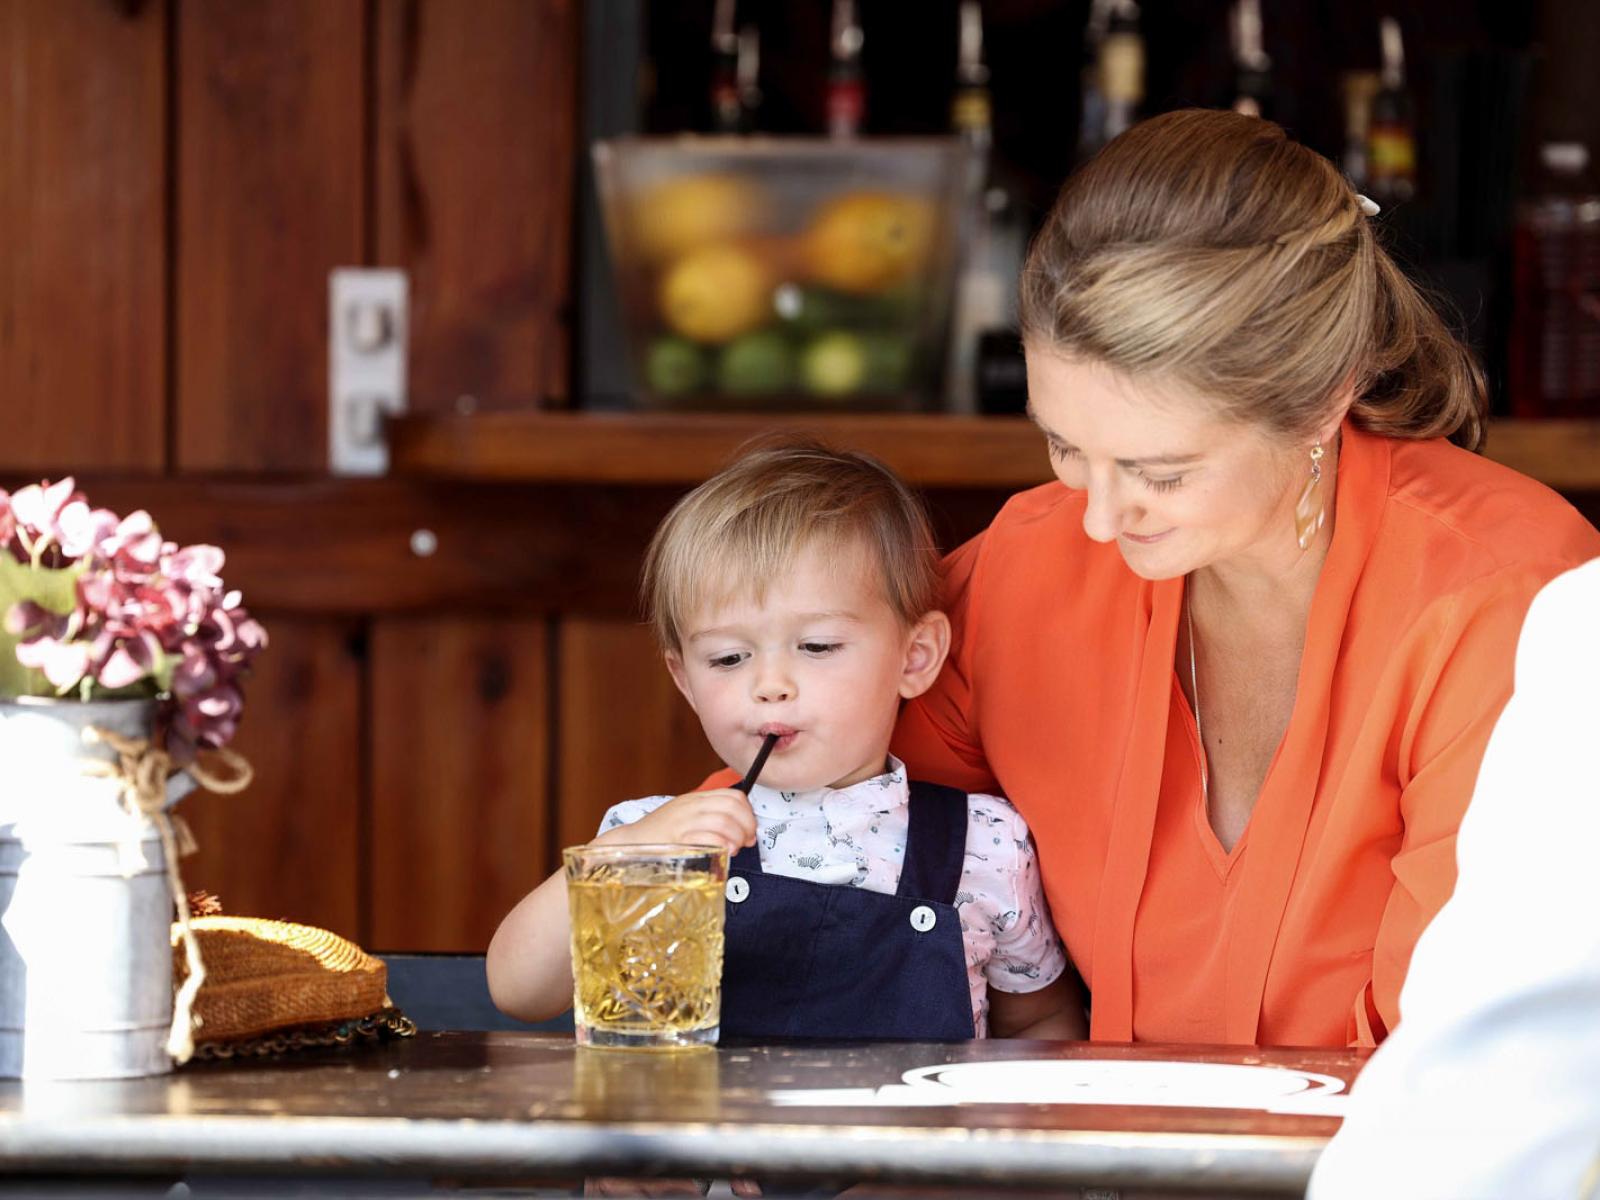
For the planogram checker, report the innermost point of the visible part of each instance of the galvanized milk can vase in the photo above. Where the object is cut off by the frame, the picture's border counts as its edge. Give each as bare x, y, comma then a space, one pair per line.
121, 656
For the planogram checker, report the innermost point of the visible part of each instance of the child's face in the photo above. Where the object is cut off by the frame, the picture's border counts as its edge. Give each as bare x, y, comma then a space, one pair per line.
822, 660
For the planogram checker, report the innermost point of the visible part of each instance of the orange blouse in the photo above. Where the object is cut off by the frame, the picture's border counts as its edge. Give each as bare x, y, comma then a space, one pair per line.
1060, 693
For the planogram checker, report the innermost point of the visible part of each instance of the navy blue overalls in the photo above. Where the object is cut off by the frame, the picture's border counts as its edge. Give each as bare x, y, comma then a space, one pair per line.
813, 960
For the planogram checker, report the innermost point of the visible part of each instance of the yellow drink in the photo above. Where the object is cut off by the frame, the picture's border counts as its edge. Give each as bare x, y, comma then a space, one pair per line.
646, 944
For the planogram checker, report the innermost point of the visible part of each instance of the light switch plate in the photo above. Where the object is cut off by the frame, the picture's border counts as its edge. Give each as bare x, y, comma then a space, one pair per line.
367, 339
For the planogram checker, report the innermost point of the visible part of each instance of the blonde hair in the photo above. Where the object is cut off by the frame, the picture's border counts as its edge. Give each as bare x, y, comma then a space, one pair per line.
1207, 249
745, 526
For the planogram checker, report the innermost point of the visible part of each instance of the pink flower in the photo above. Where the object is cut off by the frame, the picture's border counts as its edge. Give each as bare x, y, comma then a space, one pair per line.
145, 610
39, 505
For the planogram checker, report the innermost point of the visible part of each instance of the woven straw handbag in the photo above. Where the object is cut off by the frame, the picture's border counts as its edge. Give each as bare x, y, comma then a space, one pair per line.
274, 986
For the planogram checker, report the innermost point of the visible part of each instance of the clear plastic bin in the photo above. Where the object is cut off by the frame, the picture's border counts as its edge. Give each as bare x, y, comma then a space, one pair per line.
784, 273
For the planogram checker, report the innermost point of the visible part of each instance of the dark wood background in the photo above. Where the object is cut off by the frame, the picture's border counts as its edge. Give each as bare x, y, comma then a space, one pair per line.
176, 182
177, 179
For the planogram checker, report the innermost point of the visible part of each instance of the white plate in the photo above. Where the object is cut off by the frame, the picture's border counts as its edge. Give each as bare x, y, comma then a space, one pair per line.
1094, 1081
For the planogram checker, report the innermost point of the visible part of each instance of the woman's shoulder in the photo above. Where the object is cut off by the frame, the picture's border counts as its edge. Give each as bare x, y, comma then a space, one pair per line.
1037, 533
1458, 511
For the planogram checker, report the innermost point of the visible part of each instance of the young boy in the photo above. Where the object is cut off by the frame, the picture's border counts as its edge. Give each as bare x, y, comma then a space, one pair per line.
794, 594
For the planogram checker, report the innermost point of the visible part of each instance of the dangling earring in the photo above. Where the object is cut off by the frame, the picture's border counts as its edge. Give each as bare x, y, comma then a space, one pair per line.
1309, 511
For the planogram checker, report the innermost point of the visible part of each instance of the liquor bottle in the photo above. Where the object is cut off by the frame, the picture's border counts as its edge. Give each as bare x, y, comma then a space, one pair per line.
749, 75
725, 113
1359, 89
971, 111
1391, 133
1252, 69
1122, 67
1114, 84
847, 95
1554, 357
991, 223
1092, 106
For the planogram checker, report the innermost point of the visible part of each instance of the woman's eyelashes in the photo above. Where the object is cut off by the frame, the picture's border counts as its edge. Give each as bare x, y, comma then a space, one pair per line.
1170, 483
1064, 453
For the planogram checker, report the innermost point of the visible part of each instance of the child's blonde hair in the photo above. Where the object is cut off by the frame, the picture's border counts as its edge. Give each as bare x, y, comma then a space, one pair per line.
745, 526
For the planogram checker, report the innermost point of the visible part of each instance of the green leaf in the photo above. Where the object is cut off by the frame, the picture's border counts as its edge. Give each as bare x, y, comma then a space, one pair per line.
51, 589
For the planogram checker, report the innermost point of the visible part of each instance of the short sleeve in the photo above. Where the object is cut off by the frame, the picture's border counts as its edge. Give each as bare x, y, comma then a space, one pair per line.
1002, 876
936, 736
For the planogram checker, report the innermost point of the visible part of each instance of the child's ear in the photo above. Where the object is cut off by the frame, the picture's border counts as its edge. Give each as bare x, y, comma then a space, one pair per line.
679, 677
926, 648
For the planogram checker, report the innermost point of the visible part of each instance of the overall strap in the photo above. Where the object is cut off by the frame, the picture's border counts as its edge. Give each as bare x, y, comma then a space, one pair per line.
747, 860
936, 843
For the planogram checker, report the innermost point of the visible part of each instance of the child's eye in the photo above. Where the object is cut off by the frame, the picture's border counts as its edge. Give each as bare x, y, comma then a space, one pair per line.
1058, 451
723, 662
1171, 483
819, 648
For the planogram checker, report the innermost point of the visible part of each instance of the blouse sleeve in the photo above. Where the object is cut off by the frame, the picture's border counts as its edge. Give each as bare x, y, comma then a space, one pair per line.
1460, 693
937, 735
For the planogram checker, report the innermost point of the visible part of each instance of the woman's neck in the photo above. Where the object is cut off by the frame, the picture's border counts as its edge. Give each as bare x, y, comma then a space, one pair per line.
1278, 579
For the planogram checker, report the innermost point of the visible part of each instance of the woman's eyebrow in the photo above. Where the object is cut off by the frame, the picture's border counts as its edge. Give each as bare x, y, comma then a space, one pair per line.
1152, 460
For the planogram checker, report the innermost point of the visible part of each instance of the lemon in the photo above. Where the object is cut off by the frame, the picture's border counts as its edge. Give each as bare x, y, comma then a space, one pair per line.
865, 242
716, 293
676, 216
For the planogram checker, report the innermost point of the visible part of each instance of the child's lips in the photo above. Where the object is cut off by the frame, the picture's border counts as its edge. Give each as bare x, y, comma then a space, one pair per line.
786, 734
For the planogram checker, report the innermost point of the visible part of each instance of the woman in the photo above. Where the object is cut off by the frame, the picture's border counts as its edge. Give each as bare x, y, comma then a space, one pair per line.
1239, 672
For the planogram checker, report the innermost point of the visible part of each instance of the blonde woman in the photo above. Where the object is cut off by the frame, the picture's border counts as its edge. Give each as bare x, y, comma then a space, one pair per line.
1238, 667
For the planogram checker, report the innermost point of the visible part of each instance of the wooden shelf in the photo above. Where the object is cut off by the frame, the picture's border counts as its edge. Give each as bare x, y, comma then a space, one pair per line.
643, 448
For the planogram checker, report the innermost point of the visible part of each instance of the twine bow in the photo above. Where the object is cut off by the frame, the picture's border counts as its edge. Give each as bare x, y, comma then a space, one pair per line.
143, 770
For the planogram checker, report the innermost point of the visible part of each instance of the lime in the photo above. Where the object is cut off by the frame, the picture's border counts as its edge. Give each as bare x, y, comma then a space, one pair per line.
889, 358
834, 364
673, 366
756, 364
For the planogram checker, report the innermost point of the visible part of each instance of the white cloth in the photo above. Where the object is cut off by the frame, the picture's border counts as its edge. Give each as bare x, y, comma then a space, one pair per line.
1490, 1086
856, 837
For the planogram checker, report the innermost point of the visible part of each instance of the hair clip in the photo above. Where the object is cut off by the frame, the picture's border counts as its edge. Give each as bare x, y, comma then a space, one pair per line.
1367, 205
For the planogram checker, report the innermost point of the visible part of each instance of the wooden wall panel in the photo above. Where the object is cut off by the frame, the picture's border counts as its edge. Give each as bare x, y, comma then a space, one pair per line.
476, 131
460, 764
82, 243
624, 730
289, 846
270, 158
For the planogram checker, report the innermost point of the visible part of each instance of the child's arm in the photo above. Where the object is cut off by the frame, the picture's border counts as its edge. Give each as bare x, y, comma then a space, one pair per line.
1026, 946
529, 962
1054, 1012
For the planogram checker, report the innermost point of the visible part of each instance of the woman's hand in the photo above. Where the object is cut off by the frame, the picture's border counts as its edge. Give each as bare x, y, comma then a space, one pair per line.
719, 817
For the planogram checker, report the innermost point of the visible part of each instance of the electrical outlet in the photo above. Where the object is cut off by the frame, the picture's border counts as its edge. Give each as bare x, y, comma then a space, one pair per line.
367, 337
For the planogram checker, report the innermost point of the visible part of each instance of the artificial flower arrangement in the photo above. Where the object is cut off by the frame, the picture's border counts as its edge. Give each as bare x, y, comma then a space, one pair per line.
96, 607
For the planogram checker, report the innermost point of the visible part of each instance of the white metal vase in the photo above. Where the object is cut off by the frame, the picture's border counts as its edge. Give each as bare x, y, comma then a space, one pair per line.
86, 908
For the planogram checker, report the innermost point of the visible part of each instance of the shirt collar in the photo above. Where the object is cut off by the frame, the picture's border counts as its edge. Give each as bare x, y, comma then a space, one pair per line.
882, 792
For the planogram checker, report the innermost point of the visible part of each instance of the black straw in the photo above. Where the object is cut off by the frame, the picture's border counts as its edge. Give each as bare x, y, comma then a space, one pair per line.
750, 776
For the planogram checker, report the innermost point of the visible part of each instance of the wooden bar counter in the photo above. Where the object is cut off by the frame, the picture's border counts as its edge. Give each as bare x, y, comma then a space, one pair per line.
533, 1106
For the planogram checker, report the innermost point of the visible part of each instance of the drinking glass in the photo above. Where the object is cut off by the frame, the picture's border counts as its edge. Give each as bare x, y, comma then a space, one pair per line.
646, 943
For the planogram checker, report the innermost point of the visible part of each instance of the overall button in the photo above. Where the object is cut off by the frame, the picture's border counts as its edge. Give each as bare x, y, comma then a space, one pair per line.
922, 918
738, 890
